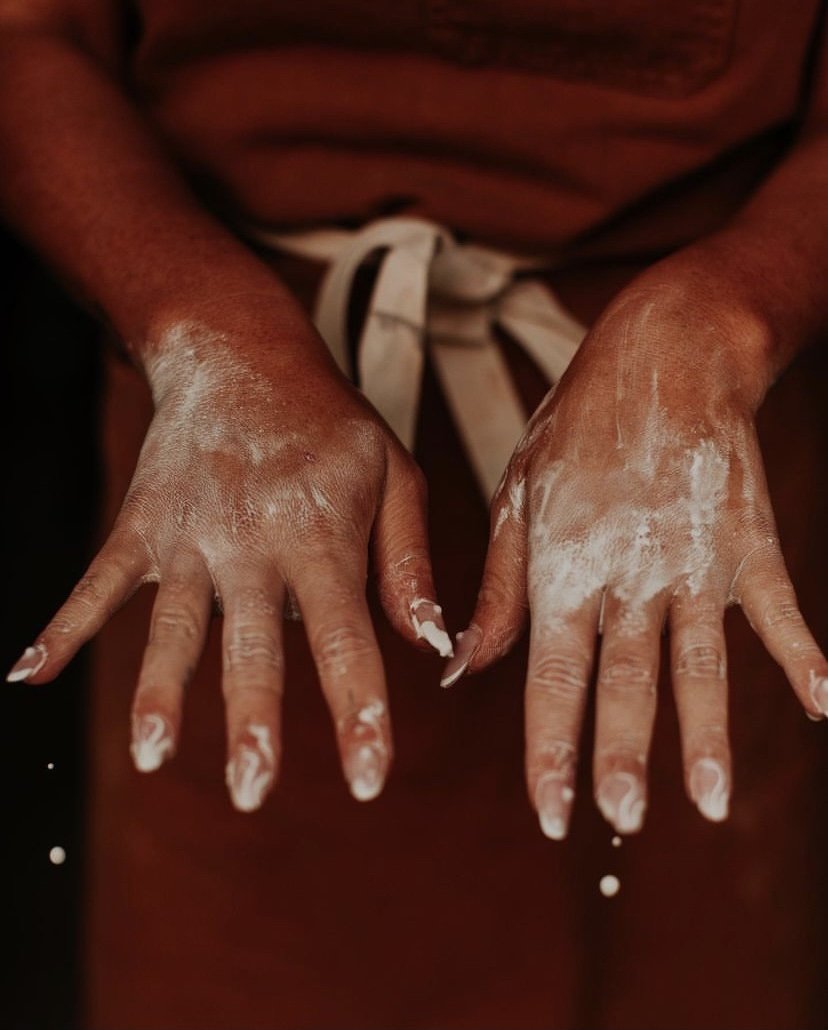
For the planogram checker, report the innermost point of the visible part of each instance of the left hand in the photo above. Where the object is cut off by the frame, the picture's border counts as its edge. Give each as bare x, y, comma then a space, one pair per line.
637, 495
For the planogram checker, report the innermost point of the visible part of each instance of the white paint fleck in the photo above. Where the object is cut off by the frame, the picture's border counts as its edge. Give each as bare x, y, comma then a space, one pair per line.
609, 885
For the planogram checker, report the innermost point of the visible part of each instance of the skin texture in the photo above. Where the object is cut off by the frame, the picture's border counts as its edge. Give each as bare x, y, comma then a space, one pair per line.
253, 484
637, 500
259, 488
640, 475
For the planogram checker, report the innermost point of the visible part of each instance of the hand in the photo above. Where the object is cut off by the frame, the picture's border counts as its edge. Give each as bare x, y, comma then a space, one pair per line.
637, 495
260, 476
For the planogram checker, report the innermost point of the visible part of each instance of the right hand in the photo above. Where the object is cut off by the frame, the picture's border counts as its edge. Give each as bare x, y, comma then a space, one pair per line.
263, 475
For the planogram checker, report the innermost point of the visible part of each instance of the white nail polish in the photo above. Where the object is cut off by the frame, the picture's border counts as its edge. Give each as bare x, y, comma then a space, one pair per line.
424, 617
366, 772
709, 789
819, 692
250, 772
28, 664
151, 742
553, 800
621, 801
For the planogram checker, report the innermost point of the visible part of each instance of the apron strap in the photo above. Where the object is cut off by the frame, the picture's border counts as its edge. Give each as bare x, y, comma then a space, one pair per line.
431, 292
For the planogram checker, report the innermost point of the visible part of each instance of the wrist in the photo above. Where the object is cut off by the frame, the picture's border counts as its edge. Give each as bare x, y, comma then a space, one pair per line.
241, 314
762, 289
711, 319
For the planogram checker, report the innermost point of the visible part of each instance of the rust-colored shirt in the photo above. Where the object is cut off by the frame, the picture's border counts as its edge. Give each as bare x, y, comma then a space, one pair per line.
590, 126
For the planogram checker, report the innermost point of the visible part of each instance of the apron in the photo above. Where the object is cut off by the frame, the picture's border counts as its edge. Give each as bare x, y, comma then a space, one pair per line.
440, 906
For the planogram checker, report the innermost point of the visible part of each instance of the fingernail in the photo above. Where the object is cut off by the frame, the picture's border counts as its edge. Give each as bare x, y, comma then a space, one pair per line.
151, 743
365, 735
467, 644
819, 692
366, 772
553, 800
427, 619
30, 662
709, 789
251, 770
621, 801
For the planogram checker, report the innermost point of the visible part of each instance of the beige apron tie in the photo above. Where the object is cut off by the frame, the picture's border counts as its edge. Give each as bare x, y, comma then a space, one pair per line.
432, 293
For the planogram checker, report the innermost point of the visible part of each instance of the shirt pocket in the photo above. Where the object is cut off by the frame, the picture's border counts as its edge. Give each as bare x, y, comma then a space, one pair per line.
668, 48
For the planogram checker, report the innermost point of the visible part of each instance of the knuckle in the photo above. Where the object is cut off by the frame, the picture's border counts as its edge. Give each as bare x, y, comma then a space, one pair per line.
88, 593
783, 614
254, 601
700, 661
627, 674
559, 675
496, 589
709, 740
336, 649
622, 752
174, 620
553, 754
252, 648
417, 481
62, 625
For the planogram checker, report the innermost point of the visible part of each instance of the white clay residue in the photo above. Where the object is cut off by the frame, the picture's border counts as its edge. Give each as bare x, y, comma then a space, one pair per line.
512, 508
367, 761
423, 616
637, 551
221, 426
151, 742
708, 484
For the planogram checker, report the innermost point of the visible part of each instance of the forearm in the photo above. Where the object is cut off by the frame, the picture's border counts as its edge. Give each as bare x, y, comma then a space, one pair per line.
87, 185
775, 251
768, 263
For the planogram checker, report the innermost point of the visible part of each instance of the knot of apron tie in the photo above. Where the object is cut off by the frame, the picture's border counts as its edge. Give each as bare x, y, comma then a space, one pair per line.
433, 294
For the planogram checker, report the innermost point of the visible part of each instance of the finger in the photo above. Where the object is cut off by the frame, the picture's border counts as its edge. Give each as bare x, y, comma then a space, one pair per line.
699, 673
403, 563
625, 708
561, 650
768, 599
501, 609
347, 658
252, 681
112, 578
178, 630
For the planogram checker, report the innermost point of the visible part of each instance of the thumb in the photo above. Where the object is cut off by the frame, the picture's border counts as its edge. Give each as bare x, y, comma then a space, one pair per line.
501, 609
402, 559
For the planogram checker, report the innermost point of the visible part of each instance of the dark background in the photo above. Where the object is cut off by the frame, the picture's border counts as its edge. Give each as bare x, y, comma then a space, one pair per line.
50, 383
